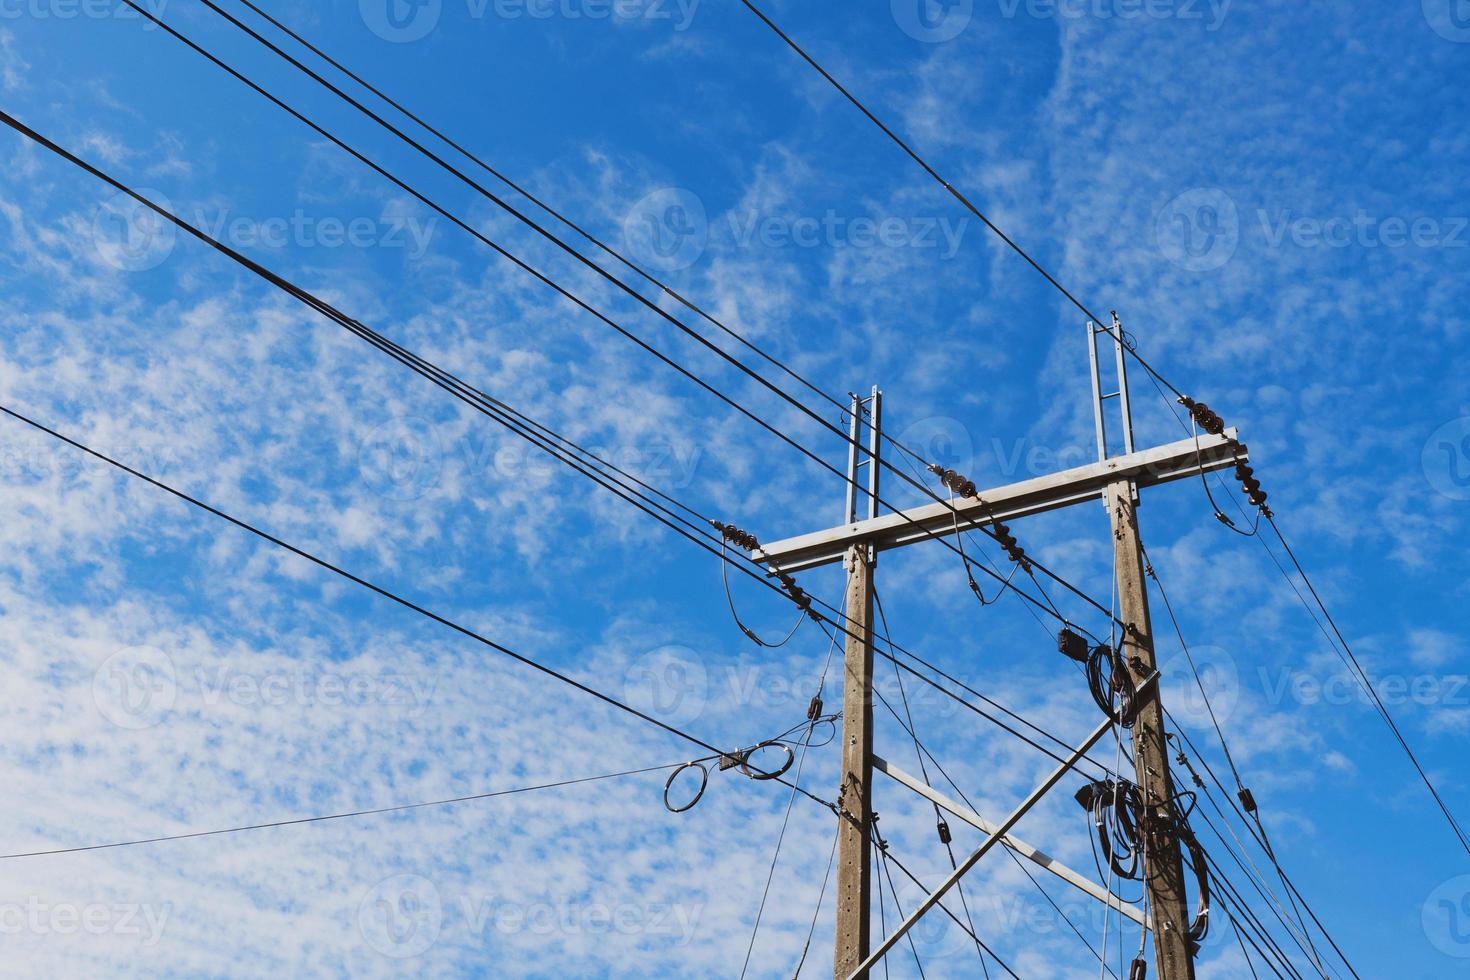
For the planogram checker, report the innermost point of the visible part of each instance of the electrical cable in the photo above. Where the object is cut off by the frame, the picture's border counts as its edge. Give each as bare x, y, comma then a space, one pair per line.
449, 382
335, 816
377, 589
1260, 842
1005, 844
942, 825
958, 196
526, 267
1367, 684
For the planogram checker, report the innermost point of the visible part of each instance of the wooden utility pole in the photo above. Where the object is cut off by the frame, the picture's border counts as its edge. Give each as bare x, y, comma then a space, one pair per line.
1115, 479
854, 836
855, 797
1163, 862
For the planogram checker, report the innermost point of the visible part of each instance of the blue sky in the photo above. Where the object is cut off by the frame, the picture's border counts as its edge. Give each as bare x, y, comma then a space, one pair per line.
1272, 196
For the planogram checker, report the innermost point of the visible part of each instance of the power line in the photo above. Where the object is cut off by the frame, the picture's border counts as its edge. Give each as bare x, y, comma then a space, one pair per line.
955, 192
542, 277
1344, 653
373, 587
1367, 685
498, 410
520, 189
297, 821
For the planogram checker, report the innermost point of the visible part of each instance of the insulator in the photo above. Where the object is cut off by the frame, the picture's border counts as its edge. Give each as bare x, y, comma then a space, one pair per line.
1247, 800
814, 710
968, 489
944, 836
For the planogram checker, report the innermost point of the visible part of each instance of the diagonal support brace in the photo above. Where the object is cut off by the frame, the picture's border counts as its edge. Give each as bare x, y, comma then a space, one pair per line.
995, 837
1036, 856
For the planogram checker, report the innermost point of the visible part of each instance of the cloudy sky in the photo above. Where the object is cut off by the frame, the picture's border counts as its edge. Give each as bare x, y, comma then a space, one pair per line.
1272, 196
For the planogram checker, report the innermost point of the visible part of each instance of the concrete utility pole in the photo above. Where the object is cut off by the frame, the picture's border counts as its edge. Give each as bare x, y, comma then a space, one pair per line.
1116, 481
855, 798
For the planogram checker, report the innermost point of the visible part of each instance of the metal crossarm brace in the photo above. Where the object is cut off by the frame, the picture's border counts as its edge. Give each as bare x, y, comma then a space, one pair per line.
995, 837
1162, 464
1036, 856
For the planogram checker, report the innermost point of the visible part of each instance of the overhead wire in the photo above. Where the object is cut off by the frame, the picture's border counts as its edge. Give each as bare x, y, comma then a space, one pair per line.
934, 174
375, 588
567, 294
522, 425
297, 821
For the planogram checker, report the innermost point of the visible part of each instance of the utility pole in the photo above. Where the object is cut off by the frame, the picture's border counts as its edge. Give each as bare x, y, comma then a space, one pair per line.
1163, 861
1116, 480
855, 797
